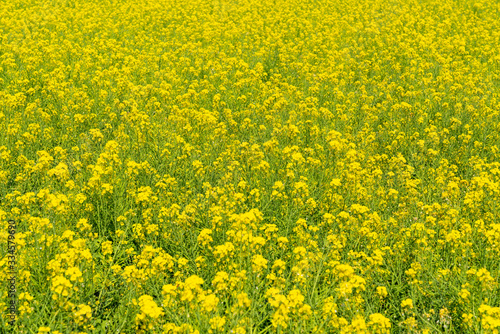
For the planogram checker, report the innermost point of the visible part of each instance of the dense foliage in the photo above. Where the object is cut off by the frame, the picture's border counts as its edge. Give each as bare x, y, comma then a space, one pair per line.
249, 166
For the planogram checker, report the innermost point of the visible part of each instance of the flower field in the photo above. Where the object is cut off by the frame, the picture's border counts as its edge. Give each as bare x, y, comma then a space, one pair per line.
245, 166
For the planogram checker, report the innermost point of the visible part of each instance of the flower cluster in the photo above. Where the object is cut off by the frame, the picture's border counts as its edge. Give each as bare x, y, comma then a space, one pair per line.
250, 166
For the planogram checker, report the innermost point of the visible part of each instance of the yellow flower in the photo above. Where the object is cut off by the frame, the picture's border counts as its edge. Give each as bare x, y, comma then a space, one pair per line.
358, 325
83, 313
305, 312
217, 324
467, 319
295, 298
407, 303
209, 302
298, 158
224, 251
344, 271
379, 323
74, 274
96, 134
335, 183
192, 286
149, 307
243, 300
464, 294
60, 171
220, 281
382, 291
107, 247
168, 292
204, 237
259, 263
61, 286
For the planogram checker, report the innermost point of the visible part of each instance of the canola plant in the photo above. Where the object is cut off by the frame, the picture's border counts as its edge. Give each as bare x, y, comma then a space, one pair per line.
248, 166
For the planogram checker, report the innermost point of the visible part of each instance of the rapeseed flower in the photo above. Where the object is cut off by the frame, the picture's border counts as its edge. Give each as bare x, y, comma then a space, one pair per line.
266, 166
